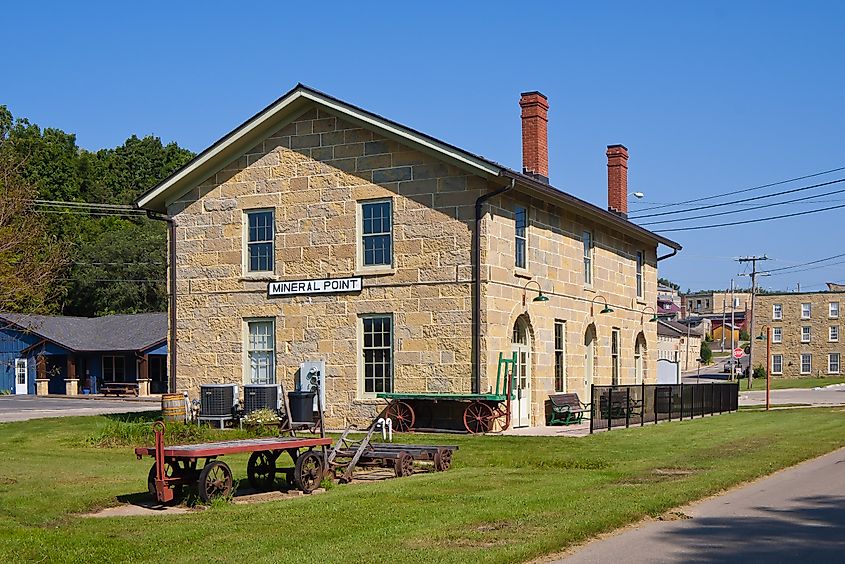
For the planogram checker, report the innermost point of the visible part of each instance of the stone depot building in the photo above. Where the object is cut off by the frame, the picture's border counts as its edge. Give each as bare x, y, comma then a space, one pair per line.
317, 230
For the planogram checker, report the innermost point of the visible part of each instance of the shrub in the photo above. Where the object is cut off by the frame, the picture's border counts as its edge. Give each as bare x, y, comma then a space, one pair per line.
759, 371
706, 353
743, 335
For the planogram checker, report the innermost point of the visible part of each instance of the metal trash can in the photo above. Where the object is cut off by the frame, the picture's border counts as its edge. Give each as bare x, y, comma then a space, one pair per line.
302, 406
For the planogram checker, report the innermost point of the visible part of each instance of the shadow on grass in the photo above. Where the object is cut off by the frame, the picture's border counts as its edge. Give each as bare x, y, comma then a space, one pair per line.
810, 529
134, 417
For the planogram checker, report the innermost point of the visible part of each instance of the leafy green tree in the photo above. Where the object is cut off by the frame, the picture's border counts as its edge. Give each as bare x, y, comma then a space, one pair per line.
706, 355
743, 335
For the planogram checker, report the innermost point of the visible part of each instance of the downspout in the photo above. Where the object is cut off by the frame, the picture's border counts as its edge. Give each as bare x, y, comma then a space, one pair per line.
476, 296
171, 275
670, 255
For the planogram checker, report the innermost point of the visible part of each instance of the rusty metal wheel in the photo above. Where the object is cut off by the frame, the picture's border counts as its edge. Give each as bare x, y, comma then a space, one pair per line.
442, 459
402, 416
403, 465
308, 472
170, 471
261, 470
478, 417
215, 481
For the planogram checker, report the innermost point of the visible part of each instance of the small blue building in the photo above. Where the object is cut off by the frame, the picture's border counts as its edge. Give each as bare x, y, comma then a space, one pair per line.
89, 350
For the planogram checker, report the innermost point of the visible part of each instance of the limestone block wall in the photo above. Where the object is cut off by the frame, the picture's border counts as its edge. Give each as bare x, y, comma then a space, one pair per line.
312, 173
791, 323
555, 262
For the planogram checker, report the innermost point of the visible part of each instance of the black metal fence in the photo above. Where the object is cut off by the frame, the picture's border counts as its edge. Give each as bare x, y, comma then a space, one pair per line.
624, 406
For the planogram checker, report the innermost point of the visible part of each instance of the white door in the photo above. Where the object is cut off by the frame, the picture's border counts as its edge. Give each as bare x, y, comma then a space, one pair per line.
521, 404
21, 387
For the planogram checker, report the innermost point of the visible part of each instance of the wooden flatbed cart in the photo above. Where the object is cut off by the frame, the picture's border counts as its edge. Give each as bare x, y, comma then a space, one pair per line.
478, 412
177, 468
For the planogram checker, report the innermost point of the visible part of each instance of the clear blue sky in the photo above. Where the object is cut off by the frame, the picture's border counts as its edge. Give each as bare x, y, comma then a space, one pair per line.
709, 97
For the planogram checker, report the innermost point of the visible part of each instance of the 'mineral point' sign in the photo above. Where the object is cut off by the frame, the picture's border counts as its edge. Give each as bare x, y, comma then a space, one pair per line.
308, 287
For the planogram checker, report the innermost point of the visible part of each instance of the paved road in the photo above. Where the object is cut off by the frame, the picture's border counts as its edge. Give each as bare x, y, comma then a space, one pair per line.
797, 515
824, 396
21, 408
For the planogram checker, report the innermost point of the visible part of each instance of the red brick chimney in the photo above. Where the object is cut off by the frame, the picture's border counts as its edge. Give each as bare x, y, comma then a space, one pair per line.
535, 137
617, 179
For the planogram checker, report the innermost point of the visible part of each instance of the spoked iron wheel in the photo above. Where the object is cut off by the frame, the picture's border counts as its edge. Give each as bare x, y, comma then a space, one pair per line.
402, 416
170, 470
442, 460
403, 465
478, 417
215, 481
261, 470
308, 472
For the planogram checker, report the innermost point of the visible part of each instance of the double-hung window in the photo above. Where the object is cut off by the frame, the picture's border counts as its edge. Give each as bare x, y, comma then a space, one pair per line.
587, 240
520, 218
377, 353
833, 333
114, 369
777, 364
805, 334
806, 363
560, 356
377, 233
614, 356
261, 356
833, 310
777, 312
805, 311
833, 363
259, 241
777, 334
640, 262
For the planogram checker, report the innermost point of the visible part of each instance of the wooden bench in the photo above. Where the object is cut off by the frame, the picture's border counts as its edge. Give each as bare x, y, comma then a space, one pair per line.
119, 388
567, 409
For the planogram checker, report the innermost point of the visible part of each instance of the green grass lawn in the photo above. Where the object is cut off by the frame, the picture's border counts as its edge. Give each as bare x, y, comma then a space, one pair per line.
786, 383
506, 499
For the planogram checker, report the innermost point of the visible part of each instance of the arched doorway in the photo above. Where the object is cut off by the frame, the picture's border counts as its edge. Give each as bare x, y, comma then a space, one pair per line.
640, 352
589, 360
521, 346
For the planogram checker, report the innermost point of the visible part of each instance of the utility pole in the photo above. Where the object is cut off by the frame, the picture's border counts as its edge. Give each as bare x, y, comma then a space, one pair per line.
723, 320
753, 260
733, 345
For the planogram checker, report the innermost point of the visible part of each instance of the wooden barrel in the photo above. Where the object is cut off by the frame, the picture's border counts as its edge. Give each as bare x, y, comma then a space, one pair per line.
173, 407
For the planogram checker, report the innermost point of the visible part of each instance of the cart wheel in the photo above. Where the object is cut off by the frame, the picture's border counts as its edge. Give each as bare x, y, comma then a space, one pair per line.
402, 415
170, 471
478, 417
261, 470
308, 472
215, 481
403, 465
442, 460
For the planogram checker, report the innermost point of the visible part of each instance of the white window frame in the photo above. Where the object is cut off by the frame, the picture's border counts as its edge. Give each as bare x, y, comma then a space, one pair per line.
833, 310
362, 384
249, 377
777, 334
806, 333
587, 243
830, 364
809, 358
361, 235
833, 334
615, 356
247, 243
520, 239
777, 364
21, 369
640, 265
560, 355
808, 308
777, 312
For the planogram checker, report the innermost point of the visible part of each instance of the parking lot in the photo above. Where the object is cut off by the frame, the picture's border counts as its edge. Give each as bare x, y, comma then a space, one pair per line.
21, 408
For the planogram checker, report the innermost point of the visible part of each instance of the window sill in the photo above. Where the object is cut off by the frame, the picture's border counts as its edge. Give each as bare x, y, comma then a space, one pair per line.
522, 273
268, 277
368, 401
375, 271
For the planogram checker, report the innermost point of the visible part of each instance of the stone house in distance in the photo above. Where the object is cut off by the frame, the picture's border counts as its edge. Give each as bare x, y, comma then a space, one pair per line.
318, 230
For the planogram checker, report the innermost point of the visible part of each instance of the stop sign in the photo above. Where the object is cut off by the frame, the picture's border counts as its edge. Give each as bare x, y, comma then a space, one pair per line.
739, 353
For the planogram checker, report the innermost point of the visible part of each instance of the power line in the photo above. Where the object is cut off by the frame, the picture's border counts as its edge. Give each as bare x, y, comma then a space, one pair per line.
710, 206
811, 268
793, 201
748, 220
807, 263
733, 192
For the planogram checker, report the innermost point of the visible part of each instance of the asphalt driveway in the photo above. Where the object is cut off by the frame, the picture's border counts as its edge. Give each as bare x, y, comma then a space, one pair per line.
21, 408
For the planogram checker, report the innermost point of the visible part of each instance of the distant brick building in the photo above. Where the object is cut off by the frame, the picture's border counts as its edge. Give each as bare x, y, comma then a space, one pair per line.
443, 250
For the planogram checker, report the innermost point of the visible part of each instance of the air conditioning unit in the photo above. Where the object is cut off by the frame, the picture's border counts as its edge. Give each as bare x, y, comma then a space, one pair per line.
262, 396
218, 400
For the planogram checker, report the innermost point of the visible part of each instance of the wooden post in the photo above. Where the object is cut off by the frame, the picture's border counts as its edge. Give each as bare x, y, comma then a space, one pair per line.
768, 364
143, 375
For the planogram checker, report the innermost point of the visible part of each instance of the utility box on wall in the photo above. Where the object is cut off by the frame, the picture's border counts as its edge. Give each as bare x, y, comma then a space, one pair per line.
312, 373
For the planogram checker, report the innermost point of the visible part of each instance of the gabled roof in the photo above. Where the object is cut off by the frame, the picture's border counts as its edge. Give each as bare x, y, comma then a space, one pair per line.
296, 101
136, 332
674, 329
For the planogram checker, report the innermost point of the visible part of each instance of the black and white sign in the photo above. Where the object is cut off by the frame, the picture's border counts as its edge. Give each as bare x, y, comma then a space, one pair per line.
309, 287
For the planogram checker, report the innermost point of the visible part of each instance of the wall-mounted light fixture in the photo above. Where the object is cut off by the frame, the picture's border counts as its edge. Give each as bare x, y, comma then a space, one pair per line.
541, 297
653, 317
607, 308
